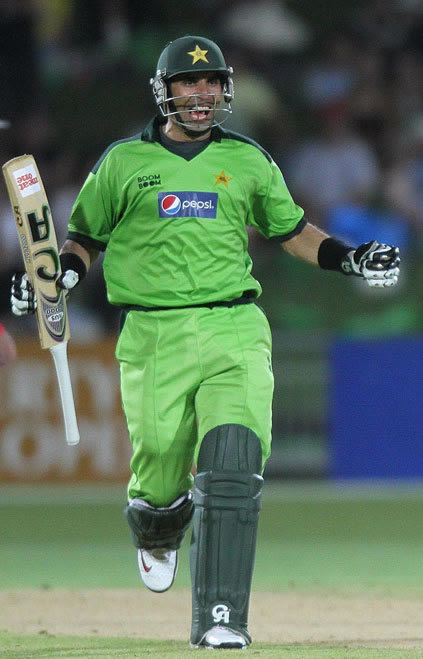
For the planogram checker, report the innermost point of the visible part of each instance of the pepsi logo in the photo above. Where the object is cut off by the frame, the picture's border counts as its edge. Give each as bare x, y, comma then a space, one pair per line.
171, 204
187, 203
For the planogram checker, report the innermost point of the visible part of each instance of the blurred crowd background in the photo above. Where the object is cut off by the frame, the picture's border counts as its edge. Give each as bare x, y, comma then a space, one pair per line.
332, 89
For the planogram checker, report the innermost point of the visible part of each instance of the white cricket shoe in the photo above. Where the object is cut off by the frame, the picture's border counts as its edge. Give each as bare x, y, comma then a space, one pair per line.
222, 638
158, 568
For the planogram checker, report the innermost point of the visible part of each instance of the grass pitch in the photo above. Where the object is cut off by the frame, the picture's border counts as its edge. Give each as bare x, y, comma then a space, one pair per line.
29, 646
312, 538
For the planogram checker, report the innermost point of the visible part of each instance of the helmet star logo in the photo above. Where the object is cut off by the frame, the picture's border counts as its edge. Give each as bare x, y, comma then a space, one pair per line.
222, 178
198, 54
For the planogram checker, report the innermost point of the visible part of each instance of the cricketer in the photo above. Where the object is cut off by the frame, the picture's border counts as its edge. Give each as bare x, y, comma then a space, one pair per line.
169, 208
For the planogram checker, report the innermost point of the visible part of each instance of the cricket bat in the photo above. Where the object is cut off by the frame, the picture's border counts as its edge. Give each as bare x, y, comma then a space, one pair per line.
38, 244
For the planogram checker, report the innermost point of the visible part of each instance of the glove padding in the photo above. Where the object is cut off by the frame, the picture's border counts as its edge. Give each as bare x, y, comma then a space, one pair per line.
376, 262
68, 280
23, 299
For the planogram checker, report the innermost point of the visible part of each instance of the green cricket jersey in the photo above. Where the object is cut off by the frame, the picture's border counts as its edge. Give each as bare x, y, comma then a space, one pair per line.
174, 230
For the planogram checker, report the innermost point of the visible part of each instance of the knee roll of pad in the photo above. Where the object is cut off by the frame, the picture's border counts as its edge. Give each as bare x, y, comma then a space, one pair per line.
230, 447
227, 498
153, 527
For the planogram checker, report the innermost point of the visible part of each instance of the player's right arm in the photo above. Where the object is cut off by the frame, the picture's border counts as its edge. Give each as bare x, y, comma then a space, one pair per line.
75, 260
89, 228
75, 257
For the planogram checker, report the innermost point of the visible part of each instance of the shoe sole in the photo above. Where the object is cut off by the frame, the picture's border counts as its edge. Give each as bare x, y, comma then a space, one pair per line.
224, 646
219, 647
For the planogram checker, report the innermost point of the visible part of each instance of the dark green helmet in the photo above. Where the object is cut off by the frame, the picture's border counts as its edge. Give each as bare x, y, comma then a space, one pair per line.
190, 54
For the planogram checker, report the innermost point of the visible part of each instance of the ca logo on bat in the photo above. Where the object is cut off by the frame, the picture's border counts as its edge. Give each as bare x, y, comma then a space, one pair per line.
40, 227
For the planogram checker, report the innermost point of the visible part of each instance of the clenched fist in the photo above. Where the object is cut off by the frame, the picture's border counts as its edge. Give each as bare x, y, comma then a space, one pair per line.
376, 262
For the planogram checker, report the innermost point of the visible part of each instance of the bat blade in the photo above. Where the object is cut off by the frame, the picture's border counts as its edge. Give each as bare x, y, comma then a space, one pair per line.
38, 244
37, 239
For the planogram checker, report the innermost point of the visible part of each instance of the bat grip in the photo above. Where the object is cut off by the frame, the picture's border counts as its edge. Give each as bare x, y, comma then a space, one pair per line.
59, 353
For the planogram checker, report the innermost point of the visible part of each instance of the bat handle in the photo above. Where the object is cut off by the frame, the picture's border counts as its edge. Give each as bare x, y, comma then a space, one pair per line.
59, 352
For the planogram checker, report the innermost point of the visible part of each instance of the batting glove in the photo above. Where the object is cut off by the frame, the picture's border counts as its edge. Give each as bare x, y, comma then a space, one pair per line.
376, 262
73, 271
23, 298
68, 280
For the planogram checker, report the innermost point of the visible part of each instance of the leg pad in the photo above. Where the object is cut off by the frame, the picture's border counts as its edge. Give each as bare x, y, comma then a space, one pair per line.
227, 496
159, 527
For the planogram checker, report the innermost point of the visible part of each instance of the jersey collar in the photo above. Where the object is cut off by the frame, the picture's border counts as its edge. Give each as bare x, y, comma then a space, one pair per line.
151, 132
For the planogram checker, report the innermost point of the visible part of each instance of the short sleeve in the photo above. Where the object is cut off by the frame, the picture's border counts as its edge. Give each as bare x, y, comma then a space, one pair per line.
275, 213
93, 213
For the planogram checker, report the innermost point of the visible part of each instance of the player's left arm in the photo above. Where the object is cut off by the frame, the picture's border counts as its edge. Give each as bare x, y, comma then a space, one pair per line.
376, 262
305, 245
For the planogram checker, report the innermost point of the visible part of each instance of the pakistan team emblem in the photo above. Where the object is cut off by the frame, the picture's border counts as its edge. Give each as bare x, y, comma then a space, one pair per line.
222, 178
198, 55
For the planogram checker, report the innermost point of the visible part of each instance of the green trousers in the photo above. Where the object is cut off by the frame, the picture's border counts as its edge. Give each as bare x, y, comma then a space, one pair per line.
184, 372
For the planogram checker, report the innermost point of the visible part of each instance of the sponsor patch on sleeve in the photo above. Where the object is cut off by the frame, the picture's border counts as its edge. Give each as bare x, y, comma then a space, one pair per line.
188, 204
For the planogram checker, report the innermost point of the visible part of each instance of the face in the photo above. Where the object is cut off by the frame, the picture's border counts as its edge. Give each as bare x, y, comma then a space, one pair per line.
201, 94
